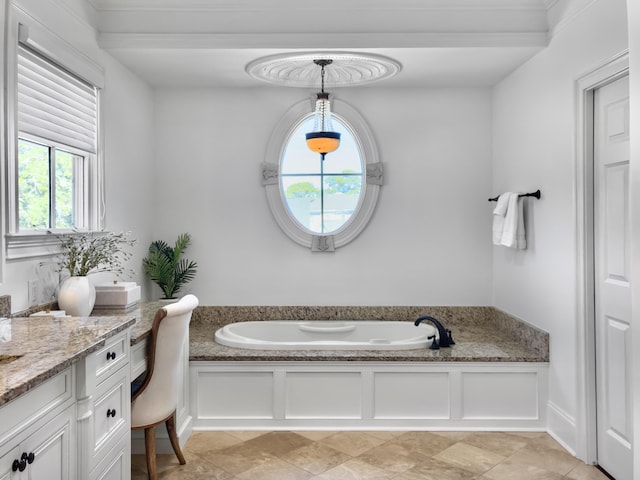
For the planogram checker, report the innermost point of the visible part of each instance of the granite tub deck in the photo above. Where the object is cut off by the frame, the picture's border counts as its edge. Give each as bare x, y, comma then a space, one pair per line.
482, 334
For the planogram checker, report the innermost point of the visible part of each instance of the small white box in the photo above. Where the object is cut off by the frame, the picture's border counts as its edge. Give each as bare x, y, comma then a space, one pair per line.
117, 295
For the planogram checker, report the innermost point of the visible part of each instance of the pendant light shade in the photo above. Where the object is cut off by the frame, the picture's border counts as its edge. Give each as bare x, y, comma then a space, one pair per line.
323, 139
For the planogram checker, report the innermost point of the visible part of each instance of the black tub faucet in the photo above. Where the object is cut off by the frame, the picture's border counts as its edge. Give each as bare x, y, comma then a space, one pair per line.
444, 335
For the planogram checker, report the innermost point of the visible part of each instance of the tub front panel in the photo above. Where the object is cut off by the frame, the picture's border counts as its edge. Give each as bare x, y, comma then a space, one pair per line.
319, 395
486, 393
403, 395
307, 395
233, 394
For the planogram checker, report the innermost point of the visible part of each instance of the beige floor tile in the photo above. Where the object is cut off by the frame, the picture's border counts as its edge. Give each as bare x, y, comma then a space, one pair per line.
496, 442
510, 470
352, 443
201, 442
468, 457
356, 469
528, 435
426, 444
371, 455
245, 435
274, 469
548, 458
384, 435
315, 458
317, 434
433, 469
391, 457
455, 436
586, 472
238, 459
544, 442
278, 443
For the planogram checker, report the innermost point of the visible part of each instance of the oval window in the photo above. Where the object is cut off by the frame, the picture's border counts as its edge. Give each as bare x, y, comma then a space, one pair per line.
322, 204
321, 195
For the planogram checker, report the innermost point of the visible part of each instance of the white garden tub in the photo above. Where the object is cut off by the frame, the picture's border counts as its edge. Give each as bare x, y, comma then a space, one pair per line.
325, 335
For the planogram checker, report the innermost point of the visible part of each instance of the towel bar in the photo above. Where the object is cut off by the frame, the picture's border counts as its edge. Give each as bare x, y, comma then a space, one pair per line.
535, 194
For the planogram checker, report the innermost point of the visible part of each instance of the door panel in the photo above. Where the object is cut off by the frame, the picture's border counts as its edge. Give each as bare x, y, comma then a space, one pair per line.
612, 280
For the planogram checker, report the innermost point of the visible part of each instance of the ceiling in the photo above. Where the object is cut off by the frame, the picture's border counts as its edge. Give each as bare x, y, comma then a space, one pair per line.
205, 43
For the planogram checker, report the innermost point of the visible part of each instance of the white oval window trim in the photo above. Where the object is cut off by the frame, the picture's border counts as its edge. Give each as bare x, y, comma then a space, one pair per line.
373, 174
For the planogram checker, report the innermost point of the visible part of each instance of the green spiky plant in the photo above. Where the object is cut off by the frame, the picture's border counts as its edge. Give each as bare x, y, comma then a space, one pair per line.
164, 266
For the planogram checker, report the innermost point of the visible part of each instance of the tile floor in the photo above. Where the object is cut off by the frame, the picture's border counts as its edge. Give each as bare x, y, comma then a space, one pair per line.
370, 455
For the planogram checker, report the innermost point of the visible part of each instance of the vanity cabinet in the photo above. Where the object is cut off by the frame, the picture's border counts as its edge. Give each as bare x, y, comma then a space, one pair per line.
40, 444
65, 397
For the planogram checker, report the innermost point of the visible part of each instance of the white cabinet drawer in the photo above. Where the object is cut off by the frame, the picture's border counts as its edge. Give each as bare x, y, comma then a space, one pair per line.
112, 356
116, 465
19, 414
111, 415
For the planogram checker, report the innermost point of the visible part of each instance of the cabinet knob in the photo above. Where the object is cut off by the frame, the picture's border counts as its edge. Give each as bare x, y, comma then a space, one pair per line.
111, 412
111, 355
30, 457
20, 465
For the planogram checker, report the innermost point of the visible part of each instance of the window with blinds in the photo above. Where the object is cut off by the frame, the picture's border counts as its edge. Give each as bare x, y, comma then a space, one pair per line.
57, 123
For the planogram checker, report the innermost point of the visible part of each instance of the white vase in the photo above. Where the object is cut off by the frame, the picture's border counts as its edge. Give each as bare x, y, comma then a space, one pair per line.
77, 296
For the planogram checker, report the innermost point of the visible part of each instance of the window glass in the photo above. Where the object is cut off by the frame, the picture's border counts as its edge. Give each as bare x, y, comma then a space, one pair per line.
64, 188
46, 186
322, 196
33, 185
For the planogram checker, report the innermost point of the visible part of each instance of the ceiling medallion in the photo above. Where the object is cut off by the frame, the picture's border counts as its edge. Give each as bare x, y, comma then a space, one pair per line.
299, 69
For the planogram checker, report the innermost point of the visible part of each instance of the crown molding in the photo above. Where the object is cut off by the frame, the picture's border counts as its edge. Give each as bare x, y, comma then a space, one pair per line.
561, 14
288, 5
134, 41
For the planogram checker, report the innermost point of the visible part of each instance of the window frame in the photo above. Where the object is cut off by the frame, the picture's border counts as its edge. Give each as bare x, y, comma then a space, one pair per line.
40, 242
372, 181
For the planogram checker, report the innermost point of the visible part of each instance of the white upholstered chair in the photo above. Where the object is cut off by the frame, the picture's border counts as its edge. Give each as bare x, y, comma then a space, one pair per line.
154, 399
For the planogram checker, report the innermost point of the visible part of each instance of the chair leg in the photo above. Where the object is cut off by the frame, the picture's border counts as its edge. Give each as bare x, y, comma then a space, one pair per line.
150, 451
173, 437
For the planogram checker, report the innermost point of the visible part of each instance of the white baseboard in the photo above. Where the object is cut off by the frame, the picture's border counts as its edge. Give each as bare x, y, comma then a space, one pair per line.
562, 427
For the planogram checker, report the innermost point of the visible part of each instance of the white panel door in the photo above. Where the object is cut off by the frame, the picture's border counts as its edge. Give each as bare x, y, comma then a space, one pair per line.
612, 278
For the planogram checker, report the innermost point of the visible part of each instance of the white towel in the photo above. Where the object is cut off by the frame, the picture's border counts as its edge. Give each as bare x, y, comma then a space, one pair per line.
513, 234
498, 217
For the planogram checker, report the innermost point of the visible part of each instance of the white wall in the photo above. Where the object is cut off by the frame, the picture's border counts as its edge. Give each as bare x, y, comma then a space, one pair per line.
427, 243
634, 59
534, 147
128, 126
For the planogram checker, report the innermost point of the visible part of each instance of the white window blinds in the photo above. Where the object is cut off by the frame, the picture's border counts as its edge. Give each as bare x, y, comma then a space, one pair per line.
54, 104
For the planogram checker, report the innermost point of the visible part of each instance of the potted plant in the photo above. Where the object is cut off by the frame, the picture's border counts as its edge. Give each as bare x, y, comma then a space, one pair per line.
166, 268
82, 254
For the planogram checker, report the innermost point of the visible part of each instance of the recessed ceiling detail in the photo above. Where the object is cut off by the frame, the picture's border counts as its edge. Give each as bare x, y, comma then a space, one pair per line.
346, 69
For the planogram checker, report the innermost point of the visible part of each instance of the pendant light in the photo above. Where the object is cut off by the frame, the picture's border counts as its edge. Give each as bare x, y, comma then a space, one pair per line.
322, 139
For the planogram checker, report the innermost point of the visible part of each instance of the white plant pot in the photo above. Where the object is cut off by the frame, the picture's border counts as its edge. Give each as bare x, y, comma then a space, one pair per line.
77, 296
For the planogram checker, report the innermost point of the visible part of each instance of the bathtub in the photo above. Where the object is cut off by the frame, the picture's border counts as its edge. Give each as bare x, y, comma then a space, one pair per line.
325, 335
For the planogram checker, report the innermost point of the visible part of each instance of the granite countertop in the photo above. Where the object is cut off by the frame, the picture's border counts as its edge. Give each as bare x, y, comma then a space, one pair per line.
142, 312
33, 349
